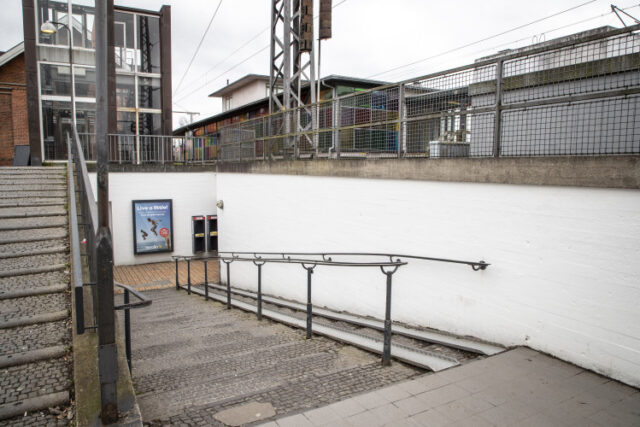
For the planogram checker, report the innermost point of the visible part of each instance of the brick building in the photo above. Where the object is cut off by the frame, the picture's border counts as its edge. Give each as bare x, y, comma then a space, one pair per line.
13, 103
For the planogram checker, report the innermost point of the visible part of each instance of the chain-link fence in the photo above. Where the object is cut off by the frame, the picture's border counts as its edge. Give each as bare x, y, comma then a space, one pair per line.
574, 96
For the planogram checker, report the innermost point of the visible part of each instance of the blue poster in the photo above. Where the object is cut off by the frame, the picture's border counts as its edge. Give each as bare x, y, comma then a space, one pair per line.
152, 226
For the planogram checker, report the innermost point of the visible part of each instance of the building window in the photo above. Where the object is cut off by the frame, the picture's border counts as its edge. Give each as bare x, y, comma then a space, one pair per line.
55, 80
226, 104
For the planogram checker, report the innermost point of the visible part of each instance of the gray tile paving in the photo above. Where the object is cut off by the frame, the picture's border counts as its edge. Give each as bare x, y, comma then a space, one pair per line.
520, 387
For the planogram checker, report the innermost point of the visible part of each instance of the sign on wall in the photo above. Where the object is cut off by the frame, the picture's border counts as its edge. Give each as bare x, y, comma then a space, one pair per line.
152, 226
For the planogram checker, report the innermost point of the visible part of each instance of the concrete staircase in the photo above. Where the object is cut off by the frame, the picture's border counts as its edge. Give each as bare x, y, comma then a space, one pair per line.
35, 325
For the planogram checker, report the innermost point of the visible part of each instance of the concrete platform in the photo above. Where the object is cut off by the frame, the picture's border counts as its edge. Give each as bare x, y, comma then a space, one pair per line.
520, 387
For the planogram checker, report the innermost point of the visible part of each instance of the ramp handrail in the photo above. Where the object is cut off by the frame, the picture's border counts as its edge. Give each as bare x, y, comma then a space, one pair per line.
304, 259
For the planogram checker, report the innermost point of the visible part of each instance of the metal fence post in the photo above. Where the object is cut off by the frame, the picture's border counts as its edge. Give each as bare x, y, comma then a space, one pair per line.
497, 134
188, 276
386, 347
177, 283
402, 142
309, 305
127, 330
228, 283
206, 282
259, 264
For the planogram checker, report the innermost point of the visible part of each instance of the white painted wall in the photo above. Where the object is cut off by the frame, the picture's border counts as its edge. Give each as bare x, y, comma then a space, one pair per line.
564, 279
193, 193
251, 92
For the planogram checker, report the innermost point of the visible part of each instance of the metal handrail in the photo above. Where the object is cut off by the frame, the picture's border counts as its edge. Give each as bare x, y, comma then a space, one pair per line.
144, 300
78, 281
476, 265
388, 268
90, 220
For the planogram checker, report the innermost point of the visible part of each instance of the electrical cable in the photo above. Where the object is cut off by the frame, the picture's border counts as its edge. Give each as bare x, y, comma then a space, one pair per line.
240, 48
198, 48
482, 40
415, 70
224, 72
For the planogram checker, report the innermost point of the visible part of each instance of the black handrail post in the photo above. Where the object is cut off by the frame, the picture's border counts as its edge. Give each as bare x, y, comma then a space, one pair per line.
259, 264
259, 291
386, 352
386, 346
177, 282
228, 282
188, 276
206, 282
127, 330
309, 306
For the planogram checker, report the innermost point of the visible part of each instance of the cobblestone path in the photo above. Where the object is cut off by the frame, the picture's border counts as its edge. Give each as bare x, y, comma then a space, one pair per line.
35, 331
193, 359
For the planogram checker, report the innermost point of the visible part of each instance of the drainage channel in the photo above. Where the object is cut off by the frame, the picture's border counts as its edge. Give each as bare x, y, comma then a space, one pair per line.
413, 356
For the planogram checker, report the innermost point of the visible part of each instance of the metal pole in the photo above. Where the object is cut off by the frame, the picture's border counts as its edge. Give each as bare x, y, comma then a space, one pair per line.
107, 350
309, 306
259, 291
386, 349
127, 330
228, 285
189, 277
206, 282
73, 89
498, 121
177, 283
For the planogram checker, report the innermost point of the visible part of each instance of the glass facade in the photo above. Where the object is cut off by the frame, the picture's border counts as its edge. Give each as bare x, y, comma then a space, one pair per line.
138, 75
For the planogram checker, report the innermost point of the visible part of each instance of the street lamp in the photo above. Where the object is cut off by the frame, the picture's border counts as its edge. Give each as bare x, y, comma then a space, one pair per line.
51, 27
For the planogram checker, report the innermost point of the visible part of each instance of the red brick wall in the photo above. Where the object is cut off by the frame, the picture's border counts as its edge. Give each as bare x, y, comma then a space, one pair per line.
13, 109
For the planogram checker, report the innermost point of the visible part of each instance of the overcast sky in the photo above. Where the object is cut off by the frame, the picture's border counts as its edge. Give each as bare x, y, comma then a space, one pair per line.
369, 36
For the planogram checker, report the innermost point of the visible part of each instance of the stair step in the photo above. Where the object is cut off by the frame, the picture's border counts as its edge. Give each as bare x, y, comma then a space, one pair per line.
416, 357
10, 410
32, 270
32, 320
33, 223
35, 235
44, 201
32, 356
44, 290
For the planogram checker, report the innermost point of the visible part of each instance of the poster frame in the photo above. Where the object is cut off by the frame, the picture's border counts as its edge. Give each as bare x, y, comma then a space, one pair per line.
135, 235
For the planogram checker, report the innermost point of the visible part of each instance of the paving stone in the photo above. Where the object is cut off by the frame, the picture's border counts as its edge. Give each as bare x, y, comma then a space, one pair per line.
393, 393
295, 421
411, 405
244, 414
322, 416
45, 377
431, 418
347, 408
442, 395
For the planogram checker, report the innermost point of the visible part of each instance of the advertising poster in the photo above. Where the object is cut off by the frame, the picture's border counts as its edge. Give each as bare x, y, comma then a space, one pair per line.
152, 226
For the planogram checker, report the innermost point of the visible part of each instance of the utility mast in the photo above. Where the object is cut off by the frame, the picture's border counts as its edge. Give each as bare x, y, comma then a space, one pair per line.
292, 64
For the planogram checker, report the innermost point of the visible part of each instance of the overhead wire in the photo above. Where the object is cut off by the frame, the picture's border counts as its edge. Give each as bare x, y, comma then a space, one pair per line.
481, 40
198, 48
414, 70
233, 53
